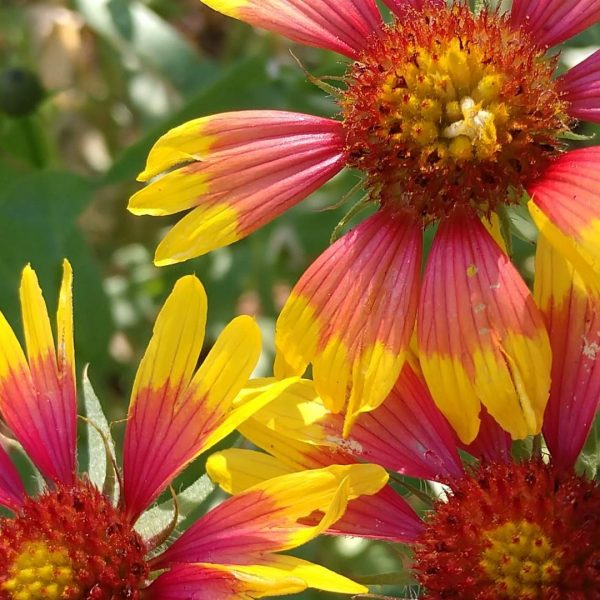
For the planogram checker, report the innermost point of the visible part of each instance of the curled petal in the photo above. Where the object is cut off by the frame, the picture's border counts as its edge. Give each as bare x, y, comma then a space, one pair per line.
406, 434
352, 315
38, 399
383, 516
12, 491
236, 469
551, 22
343, 26
565, 205
269, 516
173, 417
572, 315
581, 89
240, 170
481, 337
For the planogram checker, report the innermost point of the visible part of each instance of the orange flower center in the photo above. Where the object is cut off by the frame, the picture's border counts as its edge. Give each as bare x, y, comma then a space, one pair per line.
448, 108
511, 531
70, 543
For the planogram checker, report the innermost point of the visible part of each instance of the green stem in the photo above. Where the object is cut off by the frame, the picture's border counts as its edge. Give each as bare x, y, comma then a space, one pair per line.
423, 496
34, 142
536, 446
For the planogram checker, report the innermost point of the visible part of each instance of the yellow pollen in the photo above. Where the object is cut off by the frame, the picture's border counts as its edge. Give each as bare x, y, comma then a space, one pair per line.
444, 96
38, 573
520, 559
477, 125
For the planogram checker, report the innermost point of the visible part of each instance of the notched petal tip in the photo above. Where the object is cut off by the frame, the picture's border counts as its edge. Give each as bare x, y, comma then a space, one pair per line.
182, 144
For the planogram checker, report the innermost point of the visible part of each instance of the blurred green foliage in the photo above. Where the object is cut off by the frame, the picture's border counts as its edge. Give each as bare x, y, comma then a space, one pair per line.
116, 75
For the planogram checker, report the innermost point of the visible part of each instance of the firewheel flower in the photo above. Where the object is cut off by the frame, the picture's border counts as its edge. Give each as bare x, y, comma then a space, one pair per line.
76, 539
450, 116
508, 528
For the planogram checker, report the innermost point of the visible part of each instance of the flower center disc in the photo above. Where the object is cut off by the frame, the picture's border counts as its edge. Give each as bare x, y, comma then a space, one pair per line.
70, 544
447, 108
513, 531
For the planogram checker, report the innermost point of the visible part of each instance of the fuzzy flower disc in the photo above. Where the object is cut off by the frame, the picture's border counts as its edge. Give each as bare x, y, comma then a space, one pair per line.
70, 544
450, 109
508, 531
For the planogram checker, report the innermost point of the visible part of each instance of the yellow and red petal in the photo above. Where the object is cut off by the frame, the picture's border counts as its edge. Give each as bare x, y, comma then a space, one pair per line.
65, 346
572, 316
352, 314
406, 434
12, 491
565, 205
275, 575
243, 169
270, 516
173, 418
481, 337
383, 516
172, 354
343, 26
160, 385
37, 399
551, 22
580, 87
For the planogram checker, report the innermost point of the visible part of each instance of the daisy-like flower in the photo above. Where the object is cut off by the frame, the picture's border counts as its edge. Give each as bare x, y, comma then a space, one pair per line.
508, 528
72, 541
450, 116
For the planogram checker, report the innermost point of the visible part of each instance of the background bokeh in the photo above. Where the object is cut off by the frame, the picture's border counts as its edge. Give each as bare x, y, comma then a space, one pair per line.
114, 76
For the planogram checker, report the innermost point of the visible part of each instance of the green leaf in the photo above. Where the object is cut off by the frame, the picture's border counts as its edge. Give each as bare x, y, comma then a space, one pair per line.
589, 459
99, 437
522, 225
38, 225
154, 521
576, 137
395, 578
135, 30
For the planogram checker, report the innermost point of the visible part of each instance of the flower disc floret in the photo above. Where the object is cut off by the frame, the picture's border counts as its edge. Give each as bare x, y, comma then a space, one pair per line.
524, 531
447, 108
70, 543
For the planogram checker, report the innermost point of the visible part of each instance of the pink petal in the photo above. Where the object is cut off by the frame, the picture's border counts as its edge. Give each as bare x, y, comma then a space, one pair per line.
573, 318
406, 434
581, 89
384, 516
195, 582
551, 22
492, 443
11, 487
343, 26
